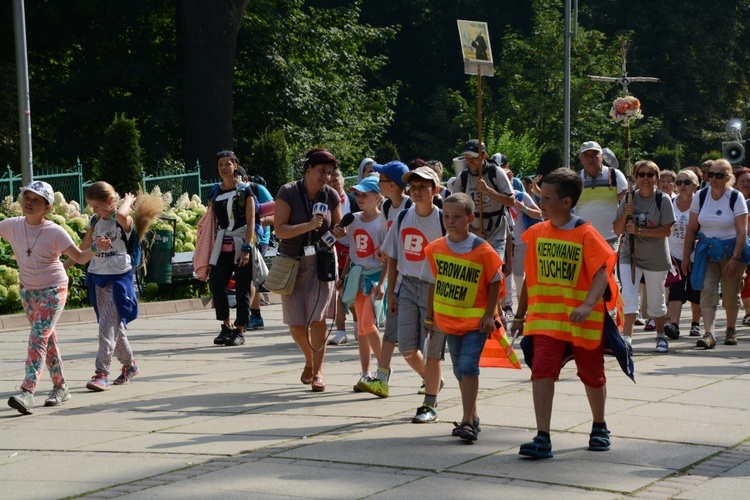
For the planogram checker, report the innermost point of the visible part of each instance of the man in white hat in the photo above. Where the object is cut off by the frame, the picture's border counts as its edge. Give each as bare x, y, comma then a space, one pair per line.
603, 188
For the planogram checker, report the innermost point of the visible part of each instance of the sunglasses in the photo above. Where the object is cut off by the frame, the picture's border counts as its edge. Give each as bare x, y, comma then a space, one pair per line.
682, 183
222, 154
718, 175
647, 174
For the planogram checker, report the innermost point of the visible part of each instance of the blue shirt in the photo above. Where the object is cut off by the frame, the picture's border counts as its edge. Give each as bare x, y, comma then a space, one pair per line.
264, 196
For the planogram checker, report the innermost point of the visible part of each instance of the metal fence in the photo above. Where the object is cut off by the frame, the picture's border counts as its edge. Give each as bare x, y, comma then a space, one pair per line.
71, 184
67, 181
188, 182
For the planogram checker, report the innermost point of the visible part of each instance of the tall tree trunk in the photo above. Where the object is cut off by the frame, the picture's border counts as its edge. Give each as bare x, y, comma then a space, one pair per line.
208, 32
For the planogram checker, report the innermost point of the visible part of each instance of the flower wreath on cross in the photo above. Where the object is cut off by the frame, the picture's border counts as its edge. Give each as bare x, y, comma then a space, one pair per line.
624, 109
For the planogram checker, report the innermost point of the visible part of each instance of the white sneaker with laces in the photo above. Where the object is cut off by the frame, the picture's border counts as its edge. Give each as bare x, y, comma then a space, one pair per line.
339, 338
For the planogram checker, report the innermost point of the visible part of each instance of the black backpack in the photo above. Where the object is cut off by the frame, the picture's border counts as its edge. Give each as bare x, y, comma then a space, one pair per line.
388, 203
464, 176
402, 214
704, 192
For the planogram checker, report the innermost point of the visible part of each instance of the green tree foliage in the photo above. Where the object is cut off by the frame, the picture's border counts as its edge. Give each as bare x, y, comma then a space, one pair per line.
668, 158
338, 73
307, 72
550, 159
385, 152
120, 161
89, 60
700, 51
521, 149
530, 89
270, 158
425, 57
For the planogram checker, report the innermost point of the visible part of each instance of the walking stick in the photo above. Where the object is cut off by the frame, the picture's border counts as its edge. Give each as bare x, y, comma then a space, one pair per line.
629, 198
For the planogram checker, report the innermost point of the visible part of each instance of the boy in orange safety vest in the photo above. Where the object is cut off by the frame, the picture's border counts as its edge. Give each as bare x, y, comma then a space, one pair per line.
462, 270
568, 268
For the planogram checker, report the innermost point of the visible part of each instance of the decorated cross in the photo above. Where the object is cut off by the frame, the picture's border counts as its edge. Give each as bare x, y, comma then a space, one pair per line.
624, 109
624, 80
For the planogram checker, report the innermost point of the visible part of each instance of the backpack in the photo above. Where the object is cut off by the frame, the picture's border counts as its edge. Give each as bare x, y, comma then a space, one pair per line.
257, 179
132, 245
612, 178
527, 219
402, 214
704, 192
253, 188
388, 203
492, 176
464, 176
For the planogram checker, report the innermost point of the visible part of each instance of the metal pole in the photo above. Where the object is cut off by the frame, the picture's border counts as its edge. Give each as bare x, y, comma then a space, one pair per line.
566, 91
24, 103
479, 138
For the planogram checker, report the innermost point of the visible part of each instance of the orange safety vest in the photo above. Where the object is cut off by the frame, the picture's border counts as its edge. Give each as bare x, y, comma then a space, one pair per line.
461, 284
560, 266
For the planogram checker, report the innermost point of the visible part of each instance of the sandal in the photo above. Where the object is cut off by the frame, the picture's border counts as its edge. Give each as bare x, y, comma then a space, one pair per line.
468, 432
539, 447
457, 428
746, 320
599, 439
307, 375
318, 383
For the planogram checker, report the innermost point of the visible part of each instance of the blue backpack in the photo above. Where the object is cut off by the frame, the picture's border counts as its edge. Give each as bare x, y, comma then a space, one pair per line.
132, 244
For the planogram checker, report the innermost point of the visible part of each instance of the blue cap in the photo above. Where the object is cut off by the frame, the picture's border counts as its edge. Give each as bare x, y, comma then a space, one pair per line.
394, 170
367, 185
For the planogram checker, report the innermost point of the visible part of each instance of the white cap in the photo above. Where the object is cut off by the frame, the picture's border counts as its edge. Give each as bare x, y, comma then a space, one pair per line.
589, 145
42, 189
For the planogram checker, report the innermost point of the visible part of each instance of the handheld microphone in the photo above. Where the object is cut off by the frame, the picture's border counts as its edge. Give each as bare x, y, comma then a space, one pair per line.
328, 238
320, 207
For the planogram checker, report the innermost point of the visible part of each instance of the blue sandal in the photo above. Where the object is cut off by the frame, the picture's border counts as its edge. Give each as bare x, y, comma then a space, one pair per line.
539, 447
599, 439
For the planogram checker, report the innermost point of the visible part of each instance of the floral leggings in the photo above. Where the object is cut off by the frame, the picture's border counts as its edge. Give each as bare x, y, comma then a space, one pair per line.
43, 308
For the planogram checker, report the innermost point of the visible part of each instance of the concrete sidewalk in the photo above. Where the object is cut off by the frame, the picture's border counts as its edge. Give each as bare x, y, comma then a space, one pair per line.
202, 421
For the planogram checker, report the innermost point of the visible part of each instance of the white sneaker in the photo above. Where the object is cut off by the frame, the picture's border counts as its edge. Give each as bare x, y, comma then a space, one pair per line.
339, 339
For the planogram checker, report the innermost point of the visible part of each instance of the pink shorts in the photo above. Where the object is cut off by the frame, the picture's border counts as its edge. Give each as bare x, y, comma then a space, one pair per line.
548, 355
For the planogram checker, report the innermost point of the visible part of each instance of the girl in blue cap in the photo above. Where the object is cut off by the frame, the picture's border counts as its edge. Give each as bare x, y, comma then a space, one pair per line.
361, 281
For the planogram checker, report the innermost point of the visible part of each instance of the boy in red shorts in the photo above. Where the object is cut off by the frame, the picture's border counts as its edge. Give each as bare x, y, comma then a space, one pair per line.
568, 270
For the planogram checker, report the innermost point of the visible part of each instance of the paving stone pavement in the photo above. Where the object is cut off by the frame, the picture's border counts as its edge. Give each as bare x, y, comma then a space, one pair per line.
202, 421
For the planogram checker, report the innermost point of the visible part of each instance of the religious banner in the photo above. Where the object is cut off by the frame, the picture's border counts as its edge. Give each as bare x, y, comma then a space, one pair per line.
475, 47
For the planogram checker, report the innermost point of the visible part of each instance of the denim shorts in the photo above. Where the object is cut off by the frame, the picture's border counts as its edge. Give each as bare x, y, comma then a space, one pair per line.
465, 352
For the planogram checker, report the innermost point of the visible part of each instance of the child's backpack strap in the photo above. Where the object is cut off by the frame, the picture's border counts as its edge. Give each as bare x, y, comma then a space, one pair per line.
402, 214
387, 204
400, 218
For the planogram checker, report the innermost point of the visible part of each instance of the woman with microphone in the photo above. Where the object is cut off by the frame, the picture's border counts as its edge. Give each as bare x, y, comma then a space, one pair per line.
305, 210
